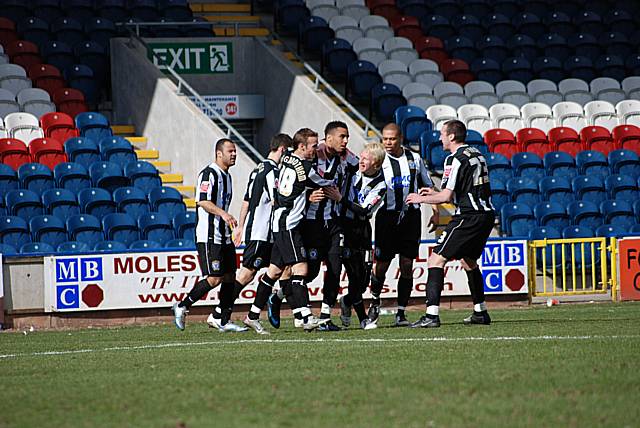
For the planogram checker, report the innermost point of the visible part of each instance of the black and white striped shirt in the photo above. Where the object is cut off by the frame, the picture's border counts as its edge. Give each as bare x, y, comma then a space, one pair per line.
334, 169
466, 174
364, 195
213, 185
259, 195
403, 175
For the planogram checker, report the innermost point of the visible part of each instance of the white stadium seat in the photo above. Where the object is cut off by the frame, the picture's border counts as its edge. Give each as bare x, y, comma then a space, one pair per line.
576, 90
370, 50
439, 114
13, 78
628, 112
537, 115
376, 27
35, 101
506, 116
601, 113
450, 93
512, 92
544, 91
631, 86
569, 114
419, 94
476, 117
394, 72
23, 126
481, 92
607, 89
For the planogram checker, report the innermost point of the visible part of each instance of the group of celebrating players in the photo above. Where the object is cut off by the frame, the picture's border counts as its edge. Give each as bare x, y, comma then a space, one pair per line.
311, 202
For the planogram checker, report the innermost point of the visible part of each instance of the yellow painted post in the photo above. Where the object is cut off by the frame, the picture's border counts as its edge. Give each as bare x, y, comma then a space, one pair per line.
614, 269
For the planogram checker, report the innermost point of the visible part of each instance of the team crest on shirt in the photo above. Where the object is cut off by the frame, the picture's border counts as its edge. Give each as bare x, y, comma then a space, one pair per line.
378, 252
346, 253
412, 164
313, 253
258, 262
215, 265
447, 171
204, 186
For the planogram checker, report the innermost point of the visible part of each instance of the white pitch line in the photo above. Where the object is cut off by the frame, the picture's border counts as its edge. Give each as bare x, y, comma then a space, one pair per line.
319, 340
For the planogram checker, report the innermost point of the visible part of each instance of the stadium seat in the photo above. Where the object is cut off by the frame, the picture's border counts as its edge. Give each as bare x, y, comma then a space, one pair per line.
581, 251
313, 32
8, 180
624, 162
143, 175
419, 94
184, 225
589, 188
400, 49
545, 259
109, 247
474, 139
13, 153
519, 68
556, 189
607, 89
385, 99
545, 90
67, 30
35, 177
96, 202
60, 203
413, 122
46, 77
623, 187
537, 115
100, 30
560, 164
475, 117
580, 67
180, 244
517, 219
575, 90
47, 151
155, 227
394, 72
512, 92
431, 48
23, 126
523, 190
630, 85
337, 54
569, 114
85, 228
628, 112
456, 71
565, 140
386, 8
618, 213
479, 92
7, 250
47, 229
585, 213
627, 137
610, 67
23, 53
59, 126
468, 25
407, 26
82, 150
362, 76
325, 9
8, 104
36, 248
601, 113
461, 47
107, 175
145, 244
554, 46
8, 32
131, 200
355, 9
499, 167
287, 15
14, 231
370, 50
611, 231
487, 69
597, 138
118, 150
167, 201
432, 151
439, 114
501, 141
497, 24
499, 194
527, 165
73, 247
376, 27
70, 101
82, 78
551, 214
71, 176
23, 203
60, 55
533, 140
506, 116
13, 78
35, 101
591, 163
93, 125
120, 227
437, 26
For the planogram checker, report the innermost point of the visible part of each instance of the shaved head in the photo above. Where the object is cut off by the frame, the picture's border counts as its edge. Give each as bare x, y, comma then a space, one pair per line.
391, 127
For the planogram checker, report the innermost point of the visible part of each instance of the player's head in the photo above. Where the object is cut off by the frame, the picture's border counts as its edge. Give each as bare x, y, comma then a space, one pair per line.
225, 153
371, 158
305, 143
452, 132
336, 136
280, 142
392, 138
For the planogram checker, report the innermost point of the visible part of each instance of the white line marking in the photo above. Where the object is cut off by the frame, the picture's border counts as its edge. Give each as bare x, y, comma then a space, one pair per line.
319, 340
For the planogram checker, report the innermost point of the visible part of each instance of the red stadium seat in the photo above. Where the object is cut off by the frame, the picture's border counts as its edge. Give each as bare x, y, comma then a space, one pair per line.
47, 151
534, 140
23, 53
501, 141
627, 137
597, 138
386, 8
565, 140
431, 48
47, 77
14, 153
7, 31
407, 26
58, 125
456, 70
70, 101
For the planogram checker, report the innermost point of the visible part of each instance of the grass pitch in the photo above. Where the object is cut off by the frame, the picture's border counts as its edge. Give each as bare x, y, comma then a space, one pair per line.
570, 365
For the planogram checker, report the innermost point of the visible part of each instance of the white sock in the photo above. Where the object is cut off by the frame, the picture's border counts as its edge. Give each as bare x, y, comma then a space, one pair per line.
305, 312
254, 309
280, 294
326, 309
479, 307
433, 310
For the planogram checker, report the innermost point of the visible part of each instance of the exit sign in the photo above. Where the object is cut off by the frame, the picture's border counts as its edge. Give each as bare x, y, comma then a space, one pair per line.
192, 58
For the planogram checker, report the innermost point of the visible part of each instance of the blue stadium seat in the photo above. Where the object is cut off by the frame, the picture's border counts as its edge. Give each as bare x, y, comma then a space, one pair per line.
107, 175
488, 69
287, 15
59, 54
634, 230
499, 167
37, 248
530, 25
34, 29
93, 125
546, 232
14, 231
82, 150
527, 165
580, 67
492, 47
499, 194
109, 247
120, 227
96, 202
617, 44
113, 10
48, 10
551, 214
85, 228
118, 150
517, 219
609, 65
560, 164
337, 54
73, 247
523, 46
446, 8
7, 250
131, 200
313, 32
67, 32
23, 203
71, 176
584, 46
79, 10
437, 26
60, 202
8, 179
549, 68
413, 122
431, 150
143, 175
500, 25
559, 23
619, 19
556, 189
622, 187
385, 99
145, 244
144, 10
47, 229
624, 162
474, 139
82, 78
577, 232
93, 55
468, 26
461, 47
155, 227
555, 46
35, 177
589, 188
362, 76
167, 201
589, 22
585, 213
518, 68
100, 30
523, 190
184, 225
592, 162
611, 231
618, 213
180, 244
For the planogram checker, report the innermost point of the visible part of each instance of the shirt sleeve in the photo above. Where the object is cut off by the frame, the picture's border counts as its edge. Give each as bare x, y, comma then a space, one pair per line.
371, 203
206, 187
314, 179
450, 174
423, 174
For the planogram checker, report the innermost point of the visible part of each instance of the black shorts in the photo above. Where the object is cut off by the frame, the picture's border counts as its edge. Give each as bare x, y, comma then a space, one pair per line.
288, 248
357, 234
397, 233
257, 254
217, 259
321, 238
465, 236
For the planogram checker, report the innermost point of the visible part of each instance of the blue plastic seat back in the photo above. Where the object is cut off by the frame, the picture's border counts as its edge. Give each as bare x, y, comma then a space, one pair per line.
109, 246
14, 231
167, 200
184, 225
523, 190
413, 122
499, 194
118, 150
93, 125
556, 189
96, 202
517, 219
35, 177
8, 179
180, 244
611, 231
592, 162
100, 30
589, 188
622, 187
289, 13
618, 212
48, 229
143, 175
71, 176
546, 232
313, 32
624, 162
385, 99
120, 227
585, 213
73, 247
560, 164
68, 31
362, 76
155, 227
82, 150
23, 203
551, 214
499, 166
85, 228
131, 200
527, 165
337, 54
107, 175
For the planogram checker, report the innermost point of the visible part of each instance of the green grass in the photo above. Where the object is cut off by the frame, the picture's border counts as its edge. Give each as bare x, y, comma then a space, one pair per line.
570, 365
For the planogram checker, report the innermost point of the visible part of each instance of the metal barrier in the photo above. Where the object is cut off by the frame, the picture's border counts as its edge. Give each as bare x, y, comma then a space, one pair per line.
565, 267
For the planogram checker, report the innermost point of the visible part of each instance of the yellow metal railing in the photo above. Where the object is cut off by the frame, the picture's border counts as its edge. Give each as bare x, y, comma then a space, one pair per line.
564, 267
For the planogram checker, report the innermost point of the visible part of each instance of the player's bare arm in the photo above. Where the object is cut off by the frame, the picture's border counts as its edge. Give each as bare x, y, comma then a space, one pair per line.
212, 208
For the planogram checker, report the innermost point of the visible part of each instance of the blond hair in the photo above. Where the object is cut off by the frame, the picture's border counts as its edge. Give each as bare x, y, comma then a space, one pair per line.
377, 152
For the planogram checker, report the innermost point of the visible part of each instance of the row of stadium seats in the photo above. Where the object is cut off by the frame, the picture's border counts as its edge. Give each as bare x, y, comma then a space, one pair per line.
517, 219
90, 230
75, 247
34, 101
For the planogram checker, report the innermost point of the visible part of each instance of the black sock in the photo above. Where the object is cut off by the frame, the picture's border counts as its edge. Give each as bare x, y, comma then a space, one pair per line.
299, 292
476, 285
376, 289
201, 288
404, 292
226, 297
237, 290
347, 299
285, 284
359, 308
435, 284
265, 286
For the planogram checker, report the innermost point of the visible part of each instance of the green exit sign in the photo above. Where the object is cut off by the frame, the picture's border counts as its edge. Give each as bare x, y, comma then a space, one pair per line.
192, 58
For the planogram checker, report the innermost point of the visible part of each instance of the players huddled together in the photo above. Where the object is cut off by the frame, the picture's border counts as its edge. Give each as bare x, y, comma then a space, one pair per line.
313, 201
